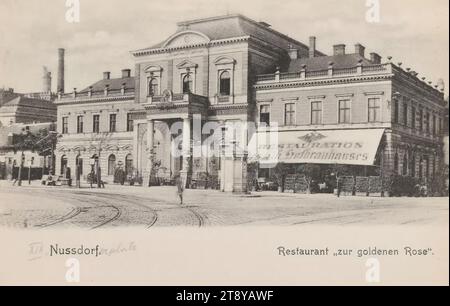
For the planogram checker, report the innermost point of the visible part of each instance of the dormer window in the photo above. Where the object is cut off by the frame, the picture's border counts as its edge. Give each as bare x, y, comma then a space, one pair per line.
225, 83
187, 83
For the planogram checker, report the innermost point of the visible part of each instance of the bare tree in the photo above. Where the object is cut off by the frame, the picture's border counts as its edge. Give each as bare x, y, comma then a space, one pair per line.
98, 143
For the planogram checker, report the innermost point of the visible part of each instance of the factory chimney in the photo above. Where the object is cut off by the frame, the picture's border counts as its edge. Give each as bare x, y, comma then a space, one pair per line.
46, 80
60, 87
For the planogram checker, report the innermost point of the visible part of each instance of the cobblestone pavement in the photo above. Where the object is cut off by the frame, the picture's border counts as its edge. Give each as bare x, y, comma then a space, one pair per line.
40, 207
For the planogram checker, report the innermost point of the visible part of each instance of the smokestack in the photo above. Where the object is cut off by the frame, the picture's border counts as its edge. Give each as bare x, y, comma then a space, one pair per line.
312, 46
339, 49
60, 87
46, 81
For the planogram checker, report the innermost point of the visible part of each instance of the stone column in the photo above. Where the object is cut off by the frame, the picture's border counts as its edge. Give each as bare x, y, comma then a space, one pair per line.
150, 151
135, 145
187, 152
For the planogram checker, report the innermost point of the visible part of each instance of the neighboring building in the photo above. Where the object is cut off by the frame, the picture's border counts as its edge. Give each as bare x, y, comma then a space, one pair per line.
10, 155
233, 69
26, 108
96, 126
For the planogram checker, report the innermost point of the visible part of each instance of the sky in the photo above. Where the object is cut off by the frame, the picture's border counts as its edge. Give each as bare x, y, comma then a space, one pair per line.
414, 32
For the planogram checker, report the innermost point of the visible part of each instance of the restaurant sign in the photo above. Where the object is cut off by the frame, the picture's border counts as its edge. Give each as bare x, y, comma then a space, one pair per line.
348, 147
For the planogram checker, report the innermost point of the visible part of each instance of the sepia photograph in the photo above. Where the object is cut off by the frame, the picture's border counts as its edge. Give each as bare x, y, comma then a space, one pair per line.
312, 133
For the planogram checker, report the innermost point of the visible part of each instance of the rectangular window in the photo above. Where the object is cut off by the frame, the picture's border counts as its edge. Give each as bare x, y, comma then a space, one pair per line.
96, 124
434, 125
344, 111
421, 119
80, 124
427, 122
405, 114
130, 123
374, 110
289, 114
65, 125
112, 122
413, 117
264, 114
316, 112
396, 112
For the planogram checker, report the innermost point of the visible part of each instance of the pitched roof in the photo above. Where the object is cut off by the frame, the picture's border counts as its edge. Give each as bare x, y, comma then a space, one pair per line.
233, 26
322, 62
114, 84
24, 102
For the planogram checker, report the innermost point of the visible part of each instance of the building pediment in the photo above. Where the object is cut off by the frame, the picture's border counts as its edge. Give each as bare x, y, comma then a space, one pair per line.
186, 64
186, 38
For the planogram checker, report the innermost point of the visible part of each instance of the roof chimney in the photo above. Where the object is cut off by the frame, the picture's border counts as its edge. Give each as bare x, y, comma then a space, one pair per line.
106, 75
360, 49
126, 73
293, 52
60, 87
339, 49
375, 58
312, 46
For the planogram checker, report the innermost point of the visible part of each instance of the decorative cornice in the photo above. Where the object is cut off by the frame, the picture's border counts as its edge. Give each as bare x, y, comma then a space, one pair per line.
321, 82
231, 106
91, 100
145, 52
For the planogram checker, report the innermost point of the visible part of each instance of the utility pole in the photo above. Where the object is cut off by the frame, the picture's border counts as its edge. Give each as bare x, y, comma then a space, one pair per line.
22, 159
29, 172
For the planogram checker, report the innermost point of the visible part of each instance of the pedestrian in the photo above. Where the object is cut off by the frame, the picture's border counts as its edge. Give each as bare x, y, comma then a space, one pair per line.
180, 188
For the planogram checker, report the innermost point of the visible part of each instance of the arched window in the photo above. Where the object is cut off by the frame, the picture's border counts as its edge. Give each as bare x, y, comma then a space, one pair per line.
187, 83
79, 164
111, 164
405, 164
153, 87
63, 165
225, 84
129, 164
396, 170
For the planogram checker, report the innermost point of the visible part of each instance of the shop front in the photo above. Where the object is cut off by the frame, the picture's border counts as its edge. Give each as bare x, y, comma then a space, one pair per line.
323, 161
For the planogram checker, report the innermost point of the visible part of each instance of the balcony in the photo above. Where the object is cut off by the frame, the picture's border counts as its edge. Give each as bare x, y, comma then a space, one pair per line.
90, 96
181, 104
331, 72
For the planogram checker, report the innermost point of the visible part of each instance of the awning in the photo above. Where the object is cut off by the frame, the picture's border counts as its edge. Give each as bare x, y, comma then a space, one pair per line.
348, 147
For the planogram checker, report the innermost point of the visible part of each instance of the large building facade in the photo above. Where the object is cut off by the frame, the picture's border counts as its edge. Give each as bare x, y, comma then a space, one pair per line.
173, 116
